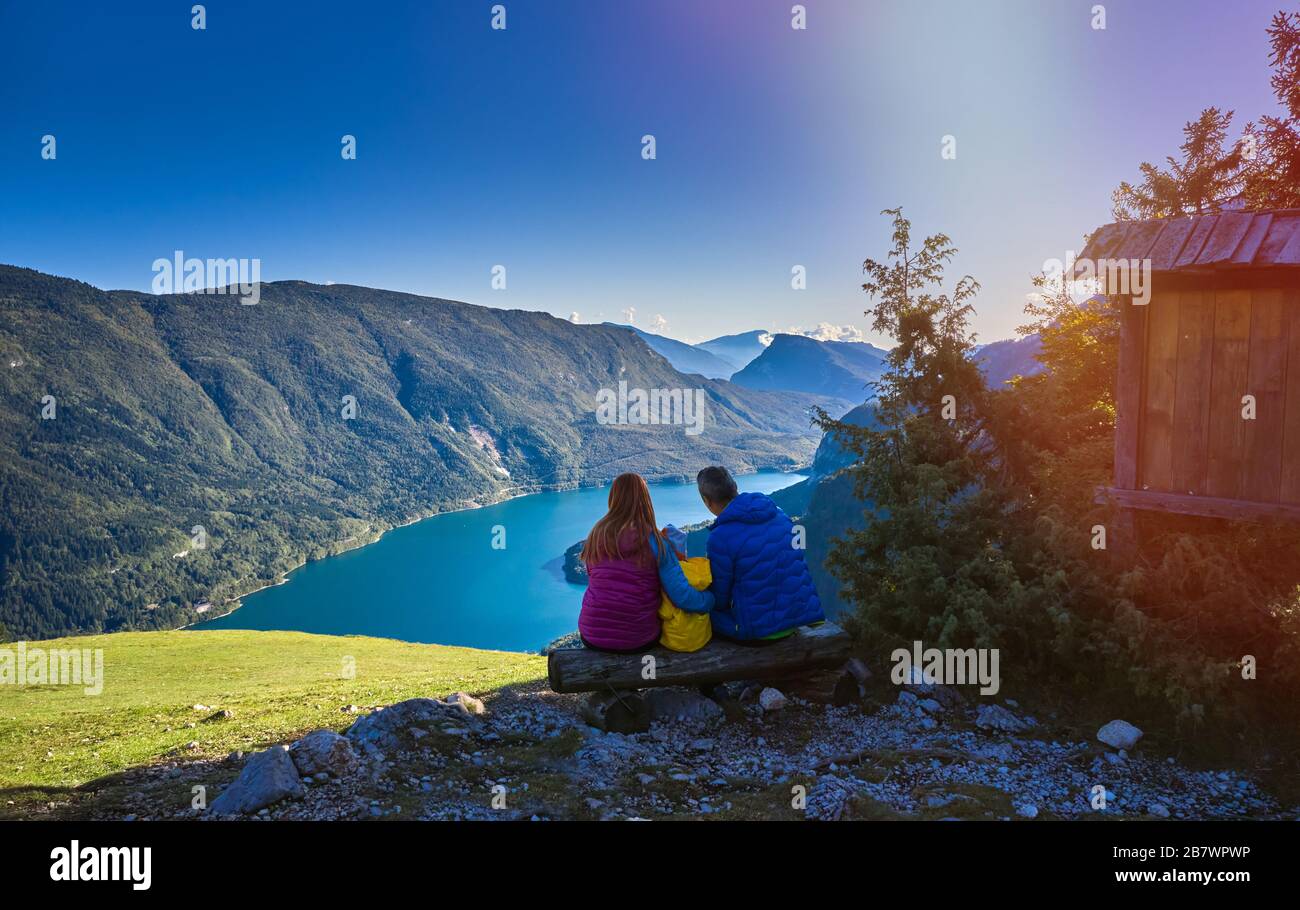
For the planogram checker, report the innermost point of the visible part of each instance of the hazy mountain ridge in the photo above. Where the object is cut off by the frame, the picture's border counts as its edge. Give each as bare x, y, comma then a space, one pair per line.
738, 350
686, 358
1003, 360
840, 368
184, 411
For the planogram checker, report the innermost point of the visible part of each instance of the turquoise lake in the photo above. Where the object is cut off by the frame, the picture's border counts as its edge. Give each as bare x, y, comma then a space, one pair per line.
440, 581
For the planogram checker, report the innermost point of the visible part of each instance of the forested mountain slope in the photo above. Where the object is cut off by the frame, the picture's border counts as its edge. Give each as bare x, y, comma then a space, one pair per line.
179, 412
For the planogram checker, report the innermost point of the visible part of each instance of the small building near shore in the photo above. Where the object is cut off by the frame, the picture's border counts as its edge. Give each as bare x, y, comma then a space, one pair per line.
1208, 387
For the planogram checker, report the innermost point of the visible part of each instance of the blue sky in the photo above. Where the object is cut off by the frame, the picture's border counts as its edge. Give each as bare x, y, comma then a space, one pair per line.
522, 147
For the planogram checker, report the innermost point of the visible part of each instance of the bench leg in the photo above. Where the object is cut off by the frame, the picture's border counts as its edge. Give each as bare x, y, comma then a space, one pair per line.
617, 712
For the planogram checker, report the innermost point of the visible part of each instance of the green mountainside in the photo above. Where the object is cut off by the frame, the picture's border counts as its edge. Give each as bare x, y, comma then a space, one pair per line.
179, 412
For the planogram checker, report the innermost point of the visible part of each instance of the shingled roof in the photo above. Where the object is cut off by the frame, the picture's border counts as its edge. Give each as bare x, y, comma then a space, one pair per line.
1199, 243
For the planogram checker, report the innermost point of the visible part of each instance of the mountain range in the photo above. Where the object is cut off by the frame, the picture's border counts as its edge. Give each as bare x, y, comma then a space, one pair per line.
160, 451
688, 358
738, 350
844, 369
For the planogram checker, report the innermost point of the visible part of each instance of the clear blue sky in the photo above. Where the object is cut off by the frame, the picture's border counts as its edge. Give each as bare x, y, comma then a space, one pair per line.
523, 147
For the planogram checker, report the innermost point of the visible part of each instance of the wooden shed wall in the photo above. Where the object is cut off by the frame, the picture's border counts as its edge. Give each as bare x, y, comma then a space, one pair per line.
1200, 352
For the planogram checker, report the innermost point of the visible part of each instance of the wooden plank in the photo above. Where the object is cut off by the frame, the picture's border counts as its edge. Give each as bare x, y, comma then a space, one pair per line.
1128, 392
1205, 506
1256, 277
1202, 227
1139, 240
1253, 240
1227, 385
1289, 254
1192, 401
1103, 241
809, 648
1290, 492
1226, 237
1281, 231
1164, 252
1157, 447
1261, 477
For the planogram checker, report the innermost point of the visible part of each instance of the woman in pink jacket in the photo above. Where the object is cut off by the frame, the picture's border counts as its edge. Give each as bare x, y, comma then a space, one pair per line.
629, 566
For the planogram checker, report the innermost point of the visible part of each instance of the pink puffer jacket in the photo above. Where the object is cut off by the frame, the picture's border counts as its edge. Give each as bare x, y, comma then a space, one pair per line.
620, 610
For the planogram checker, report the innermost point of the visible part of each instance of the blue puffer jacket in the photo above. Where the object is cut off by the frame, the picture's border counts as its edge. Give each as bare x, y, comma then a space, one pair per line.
761, 584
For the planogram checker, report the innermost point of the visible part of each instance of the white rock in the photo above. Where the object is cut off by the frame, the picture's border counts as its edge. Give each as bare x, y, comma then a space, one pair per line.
771, 699
467, 703
1027, 810
267, 778
323, 750
1119, 734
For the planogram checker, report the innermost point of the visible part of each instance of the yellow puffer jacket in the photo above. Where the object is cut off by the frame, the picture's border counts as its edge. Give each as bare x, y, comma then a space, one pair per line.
684, 631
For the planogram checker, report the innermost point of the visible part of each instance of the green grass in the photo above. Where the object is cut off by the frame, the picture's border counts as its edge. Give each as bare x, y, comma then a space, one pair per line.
277, 684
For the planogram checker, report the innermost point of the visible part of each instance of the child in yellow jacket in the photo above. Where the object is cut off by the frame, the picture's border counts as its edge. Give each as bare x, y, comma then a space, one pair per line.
683, 631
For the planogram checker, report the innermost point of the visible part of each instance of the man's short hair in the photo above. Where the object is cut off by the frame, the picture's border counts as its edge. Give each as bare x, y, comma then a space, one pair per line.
717, 485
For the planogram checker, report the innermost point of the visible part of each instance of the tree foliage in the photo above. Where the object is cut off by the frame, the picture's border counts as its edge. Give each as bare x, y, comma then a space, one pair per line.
1258, 170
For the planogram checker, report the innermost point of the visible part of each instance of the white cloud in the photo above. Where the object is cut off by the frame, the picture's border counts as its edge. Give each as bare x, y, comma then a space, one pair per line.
629, 315
659, 325
574, 317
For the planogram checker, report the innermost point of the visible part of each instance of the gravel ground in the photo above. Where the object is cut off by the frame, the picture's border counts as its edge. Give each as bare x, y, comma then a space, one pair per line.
528, 755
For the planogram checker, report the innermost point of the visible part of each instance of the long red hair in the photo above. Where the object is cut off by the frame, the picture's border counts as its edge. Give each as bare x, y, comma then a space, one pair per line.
630, 510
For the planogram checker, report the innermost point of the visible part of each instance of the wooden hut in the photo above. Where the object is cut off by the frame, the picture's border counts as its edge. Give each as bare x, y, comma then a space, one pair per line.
1208, 390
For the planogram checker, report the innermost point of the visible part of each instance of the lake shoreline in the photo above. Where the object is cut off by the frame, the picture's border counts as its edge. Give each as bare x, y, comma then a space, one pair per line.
237, 600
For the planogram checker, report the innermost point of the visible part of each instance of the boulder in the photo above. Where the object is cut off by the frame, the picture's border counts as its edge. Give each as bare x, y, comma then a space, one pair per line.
388, 727
771, 699
267, 778
996, 717
1119, 734
467, 703
323, 750
1027, 810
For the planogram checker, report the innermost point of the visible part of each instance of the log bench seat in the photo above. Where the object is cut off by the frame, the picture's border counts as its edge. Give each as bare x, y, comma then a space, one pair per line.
820, 647
612, 679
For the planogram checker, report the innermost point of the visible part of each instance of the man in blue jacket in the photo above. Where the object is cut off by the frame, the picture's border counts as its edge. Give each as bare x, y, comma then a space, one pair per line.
761, 585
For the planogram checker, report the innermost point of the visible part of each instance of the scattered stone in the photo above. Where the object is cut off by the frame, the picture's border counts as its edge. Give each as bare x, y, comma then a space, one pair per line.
1157, 810
467, 703
996, 717
1027, 810
772, 699
267, 778
323, 751
1119, 734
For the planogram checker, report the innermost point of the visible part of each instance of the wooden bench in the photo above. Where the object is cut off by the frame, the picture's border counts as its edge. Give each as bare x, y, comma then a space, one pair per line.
615, 677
